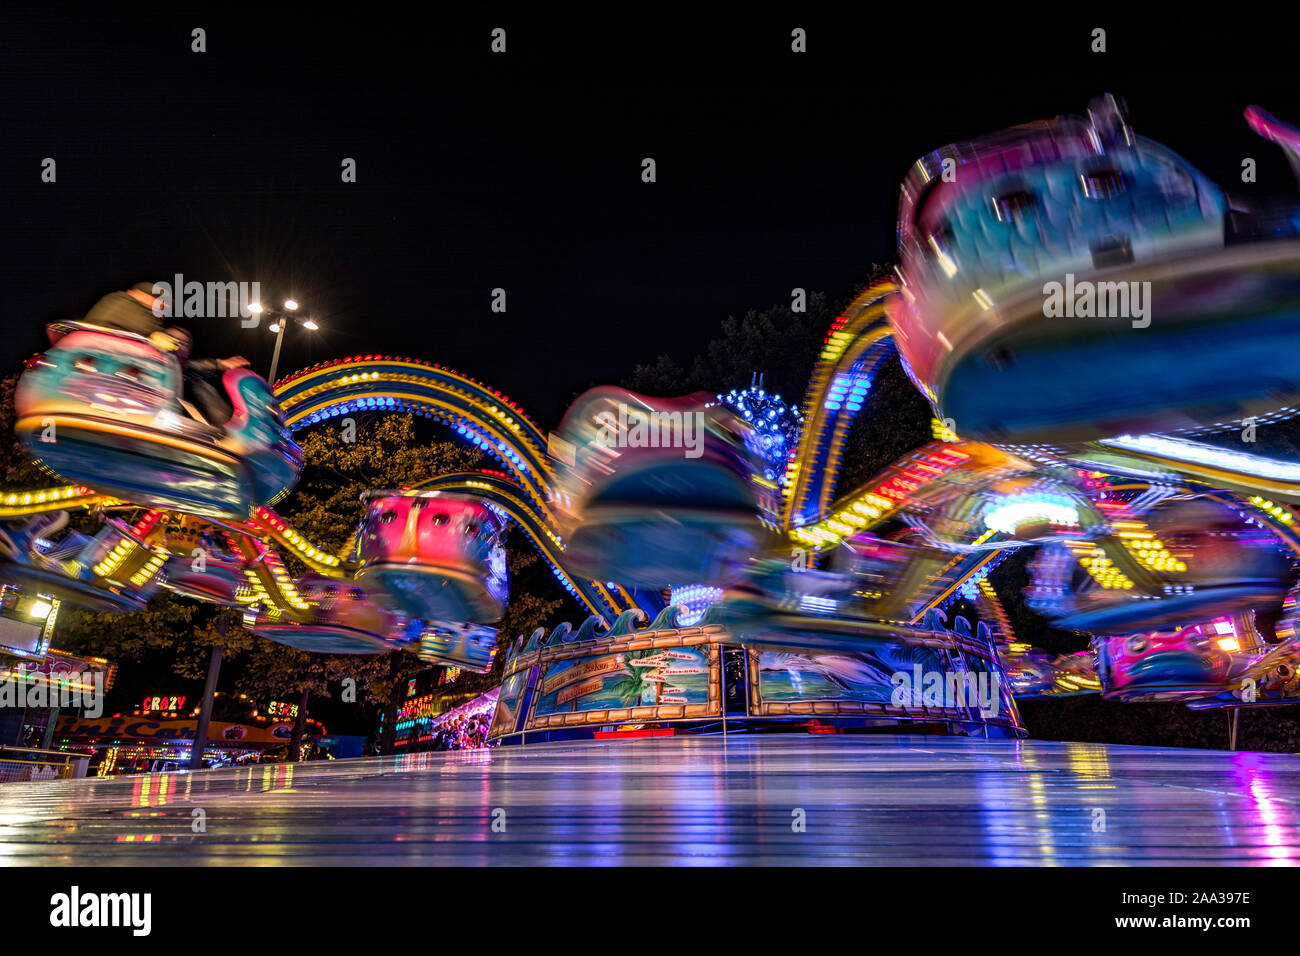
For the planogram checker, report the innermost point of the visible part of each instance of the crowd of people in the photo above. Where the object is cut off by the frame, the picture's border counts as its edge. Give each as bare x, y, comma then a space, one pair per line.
464, 732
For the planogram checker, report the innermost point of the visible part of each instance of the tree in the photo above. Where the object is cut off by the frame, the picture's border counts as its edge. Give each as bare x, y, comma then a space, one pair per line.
184, 629
534, 603
388, 453
17, 470
777, 341
326, 506
177, 636
783, 345
272, 668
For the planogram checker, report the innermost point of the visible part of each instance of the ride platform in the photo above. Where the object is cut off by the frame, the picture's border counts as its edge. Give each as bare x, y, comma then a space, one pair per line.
740, 800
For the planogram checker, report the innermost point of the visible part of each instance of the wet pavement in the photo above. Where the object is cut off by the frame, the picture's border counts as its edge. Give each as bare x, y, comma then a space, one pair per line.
771, 799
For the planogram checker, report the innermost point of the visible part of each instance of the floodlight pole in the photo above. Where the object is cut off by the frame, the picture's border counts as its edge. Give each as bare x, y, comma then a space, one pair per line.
275, 357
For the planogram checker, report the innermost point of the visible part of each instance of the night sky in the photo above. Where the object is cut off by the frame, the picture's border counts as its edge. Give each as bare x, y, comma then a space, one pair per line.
522, 170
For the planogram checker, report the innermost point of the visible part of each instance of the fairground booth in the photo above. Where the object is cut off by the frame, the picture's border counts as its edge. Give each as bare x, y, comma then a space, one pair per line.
38, 684
668, 678
158, 735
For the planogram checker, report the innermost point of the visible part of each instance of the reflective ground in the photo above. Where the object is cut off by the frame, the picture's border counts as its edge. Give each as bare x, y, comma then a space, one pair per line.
766, 800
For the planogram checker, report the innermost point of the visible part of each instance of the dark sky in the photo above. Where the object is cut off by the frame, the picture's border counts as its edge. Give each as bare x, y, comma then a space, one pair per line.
523, 171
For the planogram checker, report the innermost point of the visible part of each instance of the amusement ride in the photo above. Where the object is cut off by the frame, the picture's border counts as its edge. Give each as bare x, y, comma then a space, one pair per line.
1098, 327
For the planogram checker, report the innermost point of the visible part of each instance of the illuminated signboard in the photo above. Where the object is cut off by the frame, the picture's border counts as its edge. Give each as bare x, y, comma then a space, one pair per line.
278, 708
163, 704
420, 707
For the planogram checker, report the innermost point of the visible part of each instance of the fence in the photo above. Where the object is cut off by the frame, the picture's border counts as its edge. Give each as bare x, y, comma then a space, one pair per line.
22, 764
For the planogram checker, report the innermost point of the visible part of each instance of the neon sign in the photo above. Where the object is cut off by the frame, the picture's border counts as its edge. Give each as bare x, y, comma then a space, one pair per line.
278, 708
164, 704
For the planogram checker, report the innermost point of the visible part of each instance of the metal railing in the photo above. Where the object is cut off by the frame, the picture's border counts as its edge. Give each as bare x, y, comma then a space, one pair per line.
18, 764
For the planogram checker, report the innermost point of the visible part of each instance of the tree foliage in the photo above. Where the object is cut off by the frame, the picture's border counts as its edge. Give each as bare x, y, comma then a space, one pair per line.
782, 345
175, 636
17, 470
777, 341
387, 453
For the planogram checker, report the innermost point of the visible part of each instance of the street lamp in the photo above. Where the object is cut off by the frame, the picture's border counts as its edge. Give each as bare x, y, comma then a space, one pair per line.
281, 319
